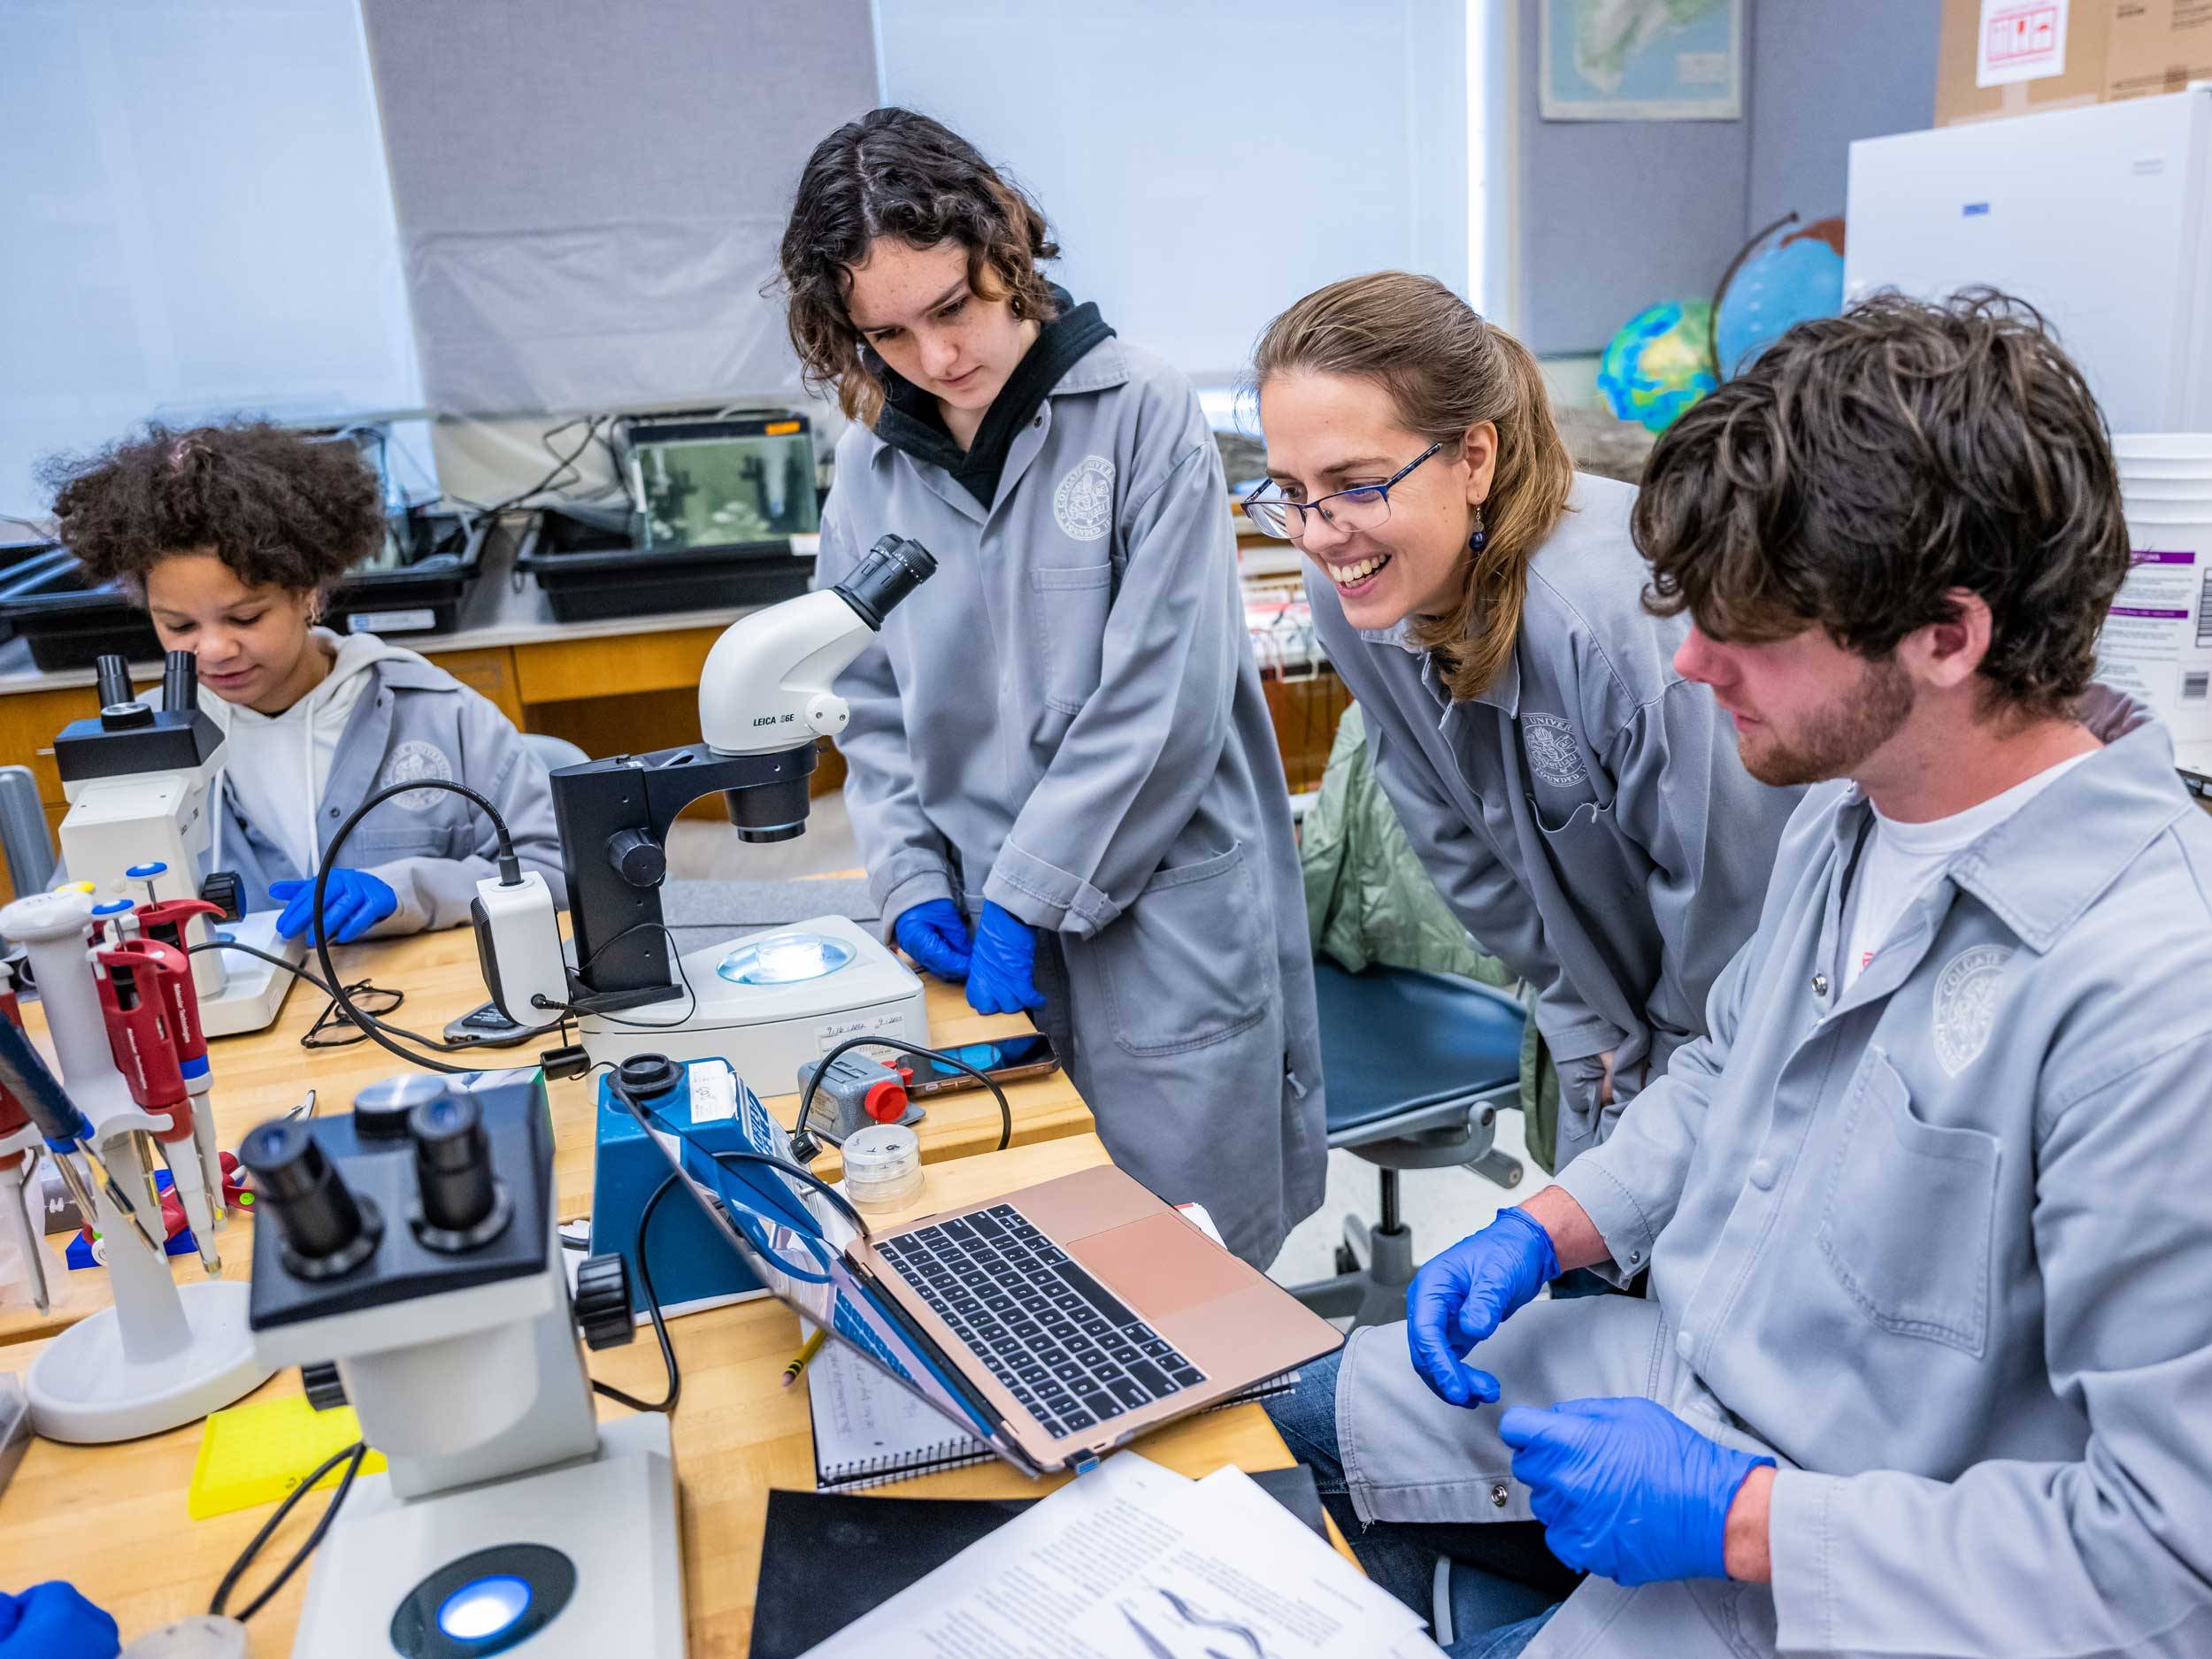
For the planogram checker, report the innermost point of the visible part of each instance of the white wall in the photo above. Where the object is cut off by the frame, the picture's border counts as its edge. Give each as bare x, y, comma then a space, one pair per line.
195, 210
1205, 165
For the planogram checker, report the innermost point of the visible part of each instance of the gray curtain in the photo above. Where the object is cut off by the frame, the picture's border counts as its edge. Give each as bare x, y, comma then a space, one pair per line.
590, 195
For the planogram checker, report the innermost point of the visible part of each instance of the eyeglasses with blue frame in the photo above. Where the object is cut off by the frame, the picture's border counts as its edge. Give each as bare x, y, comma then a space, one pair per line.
1364, 507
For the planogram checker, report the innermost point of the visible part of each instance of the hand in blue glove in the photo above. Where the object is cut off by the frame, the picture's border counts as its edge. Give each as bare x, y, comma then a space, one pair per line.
935, 934
54, 1621
1462, 1294
1626, 1489
353, 903
1002, 968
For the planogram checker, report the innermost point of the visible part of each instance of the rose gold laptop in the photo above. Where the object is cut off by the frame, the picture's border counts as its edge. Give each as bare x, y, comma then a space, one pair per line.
1054, 1323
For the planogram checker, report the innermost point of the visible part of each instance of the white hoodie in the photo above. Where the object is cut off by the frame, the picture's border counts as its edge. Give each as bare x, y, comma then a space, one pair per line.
278, 763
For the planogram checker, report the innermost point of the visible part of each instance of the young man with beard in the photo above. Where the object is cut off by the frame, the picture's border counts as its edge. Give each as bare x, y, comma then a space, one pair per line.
1928, 1215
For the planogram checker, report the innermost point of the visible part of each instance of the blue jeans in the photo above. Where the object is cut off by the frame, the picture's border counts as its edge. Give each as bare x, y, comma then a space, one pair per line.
1504, 1582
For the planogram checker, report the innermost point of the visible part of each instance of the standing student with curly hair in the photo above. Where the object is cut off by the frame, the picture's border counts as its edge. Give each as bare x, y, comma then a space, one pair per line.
1063, 779
230, 536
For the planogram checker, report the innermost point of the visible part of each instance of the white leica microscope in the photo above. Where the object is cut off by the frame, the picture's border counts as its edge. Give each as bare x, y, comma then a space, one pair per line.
406, 1259
141, 785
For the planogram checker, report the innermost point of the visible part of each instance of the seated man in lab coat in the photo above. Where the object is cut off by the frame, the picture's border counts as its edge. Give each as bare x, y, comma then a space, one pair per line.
1928, 1216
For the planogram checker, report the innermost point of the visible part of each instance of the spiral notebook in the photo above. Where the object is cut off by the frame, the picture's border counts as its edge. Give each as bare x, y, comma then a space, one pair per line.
868, 1432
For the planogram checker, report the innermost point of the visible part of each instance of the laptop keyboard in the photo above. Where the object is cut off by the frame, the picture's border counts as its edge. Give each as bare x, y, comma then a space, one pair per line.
1062, 1344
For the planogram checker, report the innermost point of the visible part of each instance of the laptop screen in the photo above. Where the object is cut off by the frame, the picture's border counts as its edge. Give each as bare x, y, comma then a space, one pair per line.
807, 1274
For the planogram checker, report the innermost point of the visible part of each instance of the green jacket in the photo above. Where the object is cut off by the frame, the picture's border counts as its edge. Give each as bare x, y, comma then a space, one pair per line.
1368, 900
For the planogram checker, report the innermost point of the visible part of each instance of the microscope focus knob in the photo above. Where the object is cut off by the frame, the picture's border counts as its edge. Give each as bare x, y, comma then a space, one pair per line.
827, 714
637, 857
602, 1302
325, 1390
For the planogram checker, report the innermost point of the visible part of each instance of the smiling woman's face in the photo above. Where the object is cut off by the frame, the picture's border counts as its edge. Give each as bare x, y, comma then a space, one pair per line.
1326, 432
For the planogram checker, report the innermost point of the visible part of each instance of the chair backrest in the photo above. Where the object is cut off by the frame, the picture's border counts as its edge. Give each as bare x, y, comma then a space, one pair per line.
25, 842
555, 752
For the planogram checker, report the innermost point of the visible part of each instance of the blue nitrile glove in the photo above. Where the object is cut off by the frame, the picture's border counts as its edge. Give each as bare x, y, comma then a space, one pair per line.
1003, 967
353, 903
1462, 1294
54, 1621
935, 934
1626, 1489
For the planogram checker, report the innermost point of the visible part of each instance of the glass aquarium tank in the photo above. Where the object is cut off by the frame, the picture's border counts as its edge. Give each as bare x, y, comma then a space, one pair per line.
719, 480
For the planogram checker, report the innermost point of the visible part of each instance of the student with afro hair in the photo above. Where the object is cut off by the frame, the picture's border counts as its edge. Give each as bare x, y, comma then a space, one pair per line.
229, 535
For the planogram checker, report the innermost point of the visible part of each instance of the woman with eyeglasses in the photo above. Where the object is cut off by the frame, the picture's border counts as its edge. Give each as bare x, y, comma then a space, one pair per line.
1062, 772
1580, 804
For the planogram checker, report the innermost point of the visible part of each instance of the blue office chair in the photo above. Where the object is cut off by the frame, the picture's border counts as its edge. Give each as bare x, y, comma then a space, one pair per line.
1417, 1065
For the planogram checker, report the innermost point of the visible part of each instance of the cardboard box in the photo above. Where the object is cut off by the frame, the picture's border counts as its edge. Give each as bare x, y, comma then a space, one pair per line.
2157, 46
1968, 53
2065, 53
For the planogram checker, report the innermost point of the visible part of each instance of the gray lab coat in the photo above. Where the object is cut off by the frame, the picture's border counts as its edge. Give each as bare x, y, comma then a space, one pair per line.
1941, 1245
1586, 816
430, 846
1066, 719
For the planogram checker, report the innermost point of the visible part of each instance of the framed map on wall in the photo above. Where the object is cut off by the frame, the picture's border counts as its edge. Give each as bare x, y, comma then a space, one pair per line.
1641, 60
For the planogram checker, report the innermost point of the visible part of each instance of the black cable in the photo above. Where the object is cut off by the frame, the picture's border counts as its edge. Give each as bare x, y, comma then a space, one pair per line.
583, 971
294, 968
666, 1405
351, 1457
509, 870
803, 1143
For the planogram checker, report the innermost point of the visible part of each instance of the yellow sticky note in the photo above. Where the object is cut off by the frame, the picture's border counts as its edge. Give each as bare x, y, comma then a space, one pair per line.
256, 1454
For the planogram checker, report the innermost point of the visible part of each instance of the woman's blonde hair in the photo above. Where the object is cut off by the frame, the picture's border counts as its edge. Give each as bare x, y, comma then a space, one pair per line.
1447, 370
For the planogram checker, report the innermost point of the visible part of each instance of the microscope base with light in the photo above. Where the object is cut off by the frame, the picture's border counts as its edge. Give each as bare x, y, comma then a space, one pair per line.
771, 1003
253, 991
465, 1562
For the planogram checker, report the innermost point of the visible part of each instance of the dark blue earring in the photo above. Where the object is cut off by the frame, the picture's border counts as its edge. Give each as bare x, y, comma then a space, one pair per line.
1482, 537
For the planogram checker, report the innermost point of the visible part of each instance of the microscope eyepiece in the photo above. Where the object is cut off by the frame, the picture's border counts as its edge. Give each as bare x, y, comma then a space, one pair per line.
325, 1229
180, 682
453, 1163
894, 568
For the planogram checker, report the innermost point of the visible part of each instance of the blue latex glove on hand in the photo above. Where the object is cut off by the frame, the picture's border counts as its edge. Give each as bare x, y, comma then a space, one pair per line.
1626, 1489
935, 934
353, 903
1462, 1294
1003, 967
54, 1621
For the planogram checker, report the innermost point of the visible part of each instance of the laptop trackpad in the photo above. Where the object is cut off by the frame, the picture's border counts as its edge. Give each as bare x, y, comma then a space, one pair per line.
1162, 1265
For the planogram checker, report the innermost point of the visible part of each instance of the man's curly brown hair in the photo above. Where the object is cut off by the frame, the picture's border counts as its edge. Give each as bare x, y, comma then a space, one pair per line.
275, 505
1868, 463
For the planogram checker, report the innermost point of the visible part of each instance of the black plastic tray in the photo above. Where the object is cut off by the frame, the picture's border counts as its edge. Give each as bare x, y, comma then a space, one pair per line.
590, 568
443, 553
68, 625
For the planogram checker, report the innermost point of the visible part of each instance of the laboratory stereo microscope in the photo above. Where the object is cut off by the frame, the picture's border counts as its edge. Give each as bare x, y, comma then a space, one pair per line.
140, 783
407, 1261
768, 1004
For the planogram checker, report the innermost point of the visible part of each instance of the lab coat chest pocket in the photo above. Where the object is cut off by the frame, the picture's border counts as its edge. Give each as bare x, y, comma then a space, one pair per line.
1068, 606
1188, 962
1591, 857
1905, 1226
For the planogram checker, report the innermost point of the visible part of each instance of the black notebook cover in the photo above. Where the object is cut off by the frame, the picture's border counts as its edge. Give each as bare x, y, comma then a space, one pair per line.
827, 1557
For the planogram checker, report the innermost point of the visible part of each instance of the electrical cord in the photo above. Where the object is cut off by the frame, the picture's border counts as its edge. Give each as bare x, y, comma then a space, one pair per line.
351, 1457
584, 970
804, 1144
315, 981
509, 870
667, 1404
